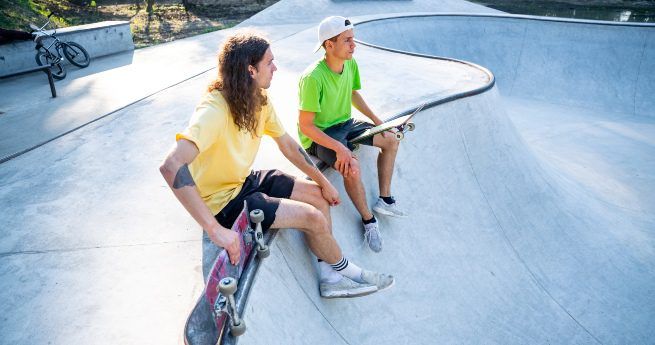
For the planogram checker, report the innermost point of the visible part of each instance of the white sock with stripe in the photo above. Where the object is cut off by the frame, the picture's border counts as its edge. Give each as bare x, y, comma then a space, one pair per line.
348, 269
327, 274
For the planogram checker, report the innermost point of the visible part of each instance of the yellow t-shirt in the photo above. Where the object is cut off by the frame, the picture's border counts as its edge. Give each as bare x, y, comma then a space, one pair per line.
226, 154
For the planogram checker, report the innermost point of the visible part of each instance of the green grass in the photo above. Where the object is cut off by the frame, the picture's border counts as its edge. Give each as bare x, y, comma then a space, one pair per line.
168, 21
15, 13
18, 14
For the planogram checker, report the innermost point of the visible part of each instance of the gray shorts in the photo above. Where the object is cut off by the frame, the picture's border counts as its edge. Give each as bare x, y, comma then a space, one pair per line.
341, 132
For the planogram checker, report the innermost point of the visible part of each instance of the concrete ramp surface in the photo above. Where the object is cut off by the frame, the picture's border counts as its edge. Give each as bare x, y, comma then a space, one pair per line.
530, 183
508, 241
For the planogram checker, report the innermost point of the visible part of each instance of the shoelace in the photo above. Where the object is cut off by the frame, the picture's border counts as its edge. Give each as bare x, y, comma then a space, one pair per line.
367, 233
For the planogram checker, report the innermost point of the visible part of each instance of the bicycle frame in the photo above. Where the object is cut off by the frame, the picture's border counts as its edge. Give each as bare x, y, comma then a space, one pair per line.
55, 41
73, 52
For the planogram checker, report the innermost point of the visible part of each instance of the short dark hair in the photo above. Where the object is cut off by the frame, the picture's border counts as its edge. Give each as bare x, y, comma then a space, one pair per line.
333, 39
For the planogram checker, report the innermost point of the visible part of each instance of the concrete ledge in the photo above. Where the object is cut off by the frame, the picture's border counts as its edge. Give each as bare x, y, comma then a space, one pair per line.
99, 39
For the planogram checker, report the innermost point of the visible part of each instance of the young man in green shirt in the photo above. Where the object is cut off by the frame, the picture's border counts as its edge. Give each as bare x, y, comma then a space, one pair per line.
327, 89
209, 169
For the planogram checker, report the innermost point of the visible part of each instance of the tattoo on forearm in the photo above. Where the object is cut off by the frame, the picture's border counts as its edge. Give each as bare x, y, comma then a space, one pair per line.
307, 158
183, 178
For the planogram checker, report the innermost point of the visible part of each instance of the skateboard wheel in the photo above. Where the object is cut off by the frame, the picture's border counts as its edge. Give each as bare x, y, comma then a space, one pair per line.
399, 136
263, 252
411, 126
239, 329
227, 286
257, 216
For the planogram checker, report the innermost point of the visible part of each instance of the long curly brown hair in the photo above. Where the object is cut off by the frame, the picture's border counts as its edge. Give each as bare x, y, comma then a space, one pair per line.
241, 93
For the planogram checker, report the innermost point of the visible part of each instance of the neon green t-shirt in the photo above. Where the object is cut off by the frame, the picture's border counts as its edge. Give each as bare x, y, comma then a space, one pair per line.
327, 94
226, 153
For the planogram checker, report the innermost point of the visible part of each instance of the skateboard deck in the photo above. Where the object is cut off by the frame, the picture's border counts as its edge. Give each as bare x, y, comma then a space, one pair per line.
402, 124
222, 284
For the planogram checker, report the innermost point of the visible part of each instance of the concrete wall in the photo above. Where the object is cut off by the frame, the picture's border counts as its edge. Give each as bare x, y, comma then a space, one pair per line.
598, 65
98, 39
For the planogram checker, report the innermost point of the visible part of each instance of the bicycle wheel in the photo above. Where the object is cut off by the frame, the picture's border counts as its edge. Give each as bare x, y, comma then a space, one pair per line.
76, 54
58, 71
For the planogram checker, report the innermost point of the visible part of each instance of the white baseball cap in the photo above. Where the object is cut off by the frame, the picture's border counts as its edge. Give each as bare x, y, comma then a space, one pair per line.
330, 27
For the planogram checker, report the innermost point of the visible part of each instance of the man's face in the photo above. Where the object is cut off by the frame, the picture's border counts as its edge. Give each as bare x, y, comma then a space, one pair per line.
263, 73
344, 47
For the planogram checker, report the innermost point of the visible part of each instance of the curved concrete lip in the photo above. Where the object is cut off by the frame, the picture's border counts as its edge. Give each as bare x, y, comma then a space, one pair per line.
368, 19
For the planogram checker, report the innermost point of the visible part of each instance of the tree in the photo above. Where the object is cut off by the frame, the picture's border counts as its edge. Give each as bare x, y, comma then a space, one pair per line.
149, 6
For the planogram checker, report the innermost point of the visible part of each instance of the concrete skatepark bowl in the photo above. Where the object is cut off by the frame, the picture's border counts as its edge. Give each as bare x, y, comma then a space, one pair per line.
530, 181
508, 242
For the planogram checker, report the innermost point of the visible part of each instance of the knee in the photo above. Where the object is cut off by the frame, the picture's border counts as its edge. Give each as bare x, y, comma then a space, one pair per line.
391, 143
319, 201
316, 199
355, 171
317, 222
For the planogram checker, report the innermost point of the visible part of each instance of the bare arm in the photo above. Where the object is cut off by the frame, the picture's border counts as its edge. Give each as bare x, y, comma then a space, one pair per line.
308, 128
344, 155
299, 157
176, 172
360, 104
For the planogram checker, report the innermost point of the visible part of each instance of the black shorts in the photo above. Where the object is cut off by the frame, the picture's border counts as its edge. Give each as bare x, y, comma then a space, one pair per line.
262, 190
341, 132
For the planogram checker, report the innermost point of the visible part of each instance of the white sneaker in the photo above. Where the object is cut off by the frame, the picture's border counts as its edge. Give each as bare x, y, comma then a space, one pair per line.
373, 237
382, 281
346, 288
392, 210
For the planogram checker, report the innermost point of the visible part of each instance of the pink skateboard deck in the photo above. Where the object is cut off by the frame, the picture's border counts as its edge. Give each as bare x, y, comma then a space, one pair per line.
223, 277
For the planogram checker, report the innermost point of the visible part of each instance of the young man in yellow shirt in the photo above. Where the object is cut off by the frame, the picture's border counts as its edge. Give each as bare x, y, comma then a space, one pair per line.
209, 169
327, 91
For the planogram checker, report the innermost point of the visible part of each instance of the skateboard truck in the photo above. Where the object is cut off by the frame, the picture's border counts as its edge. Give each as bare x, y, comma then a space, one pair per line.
400, 134
257, 217
227, 287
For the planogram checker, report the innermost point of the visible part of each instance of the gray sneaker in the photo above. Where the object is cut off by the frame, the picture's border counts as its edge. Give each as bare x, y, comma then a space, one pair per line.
373, 237
392, 210
382, 281
345, 288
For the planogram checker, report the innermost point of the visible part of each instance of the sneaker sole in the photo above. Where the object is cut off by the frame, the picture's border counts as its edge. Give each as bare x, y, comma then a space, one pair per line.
359, 292
387, 213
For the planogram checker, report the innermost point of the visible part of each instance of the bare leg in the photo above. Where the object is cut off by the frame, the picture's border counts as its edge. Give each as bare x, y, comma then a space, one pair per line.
312, 221
386, 160
310, 193
356, 191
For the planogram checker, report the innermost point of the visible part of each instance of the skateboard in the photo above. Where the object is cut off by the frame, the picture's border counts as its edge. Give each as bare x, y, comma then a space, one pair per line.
222, 281
402, 124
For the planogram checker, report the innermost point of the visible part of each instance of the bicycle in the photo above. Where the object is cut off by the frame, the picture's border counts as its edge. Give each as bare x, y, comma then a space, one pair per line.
74, 53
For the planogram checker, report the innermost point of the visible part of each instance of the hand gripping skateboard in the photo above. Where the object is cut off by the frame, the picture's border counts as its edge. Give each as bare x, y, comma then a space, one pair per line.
222, 280
402, 124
